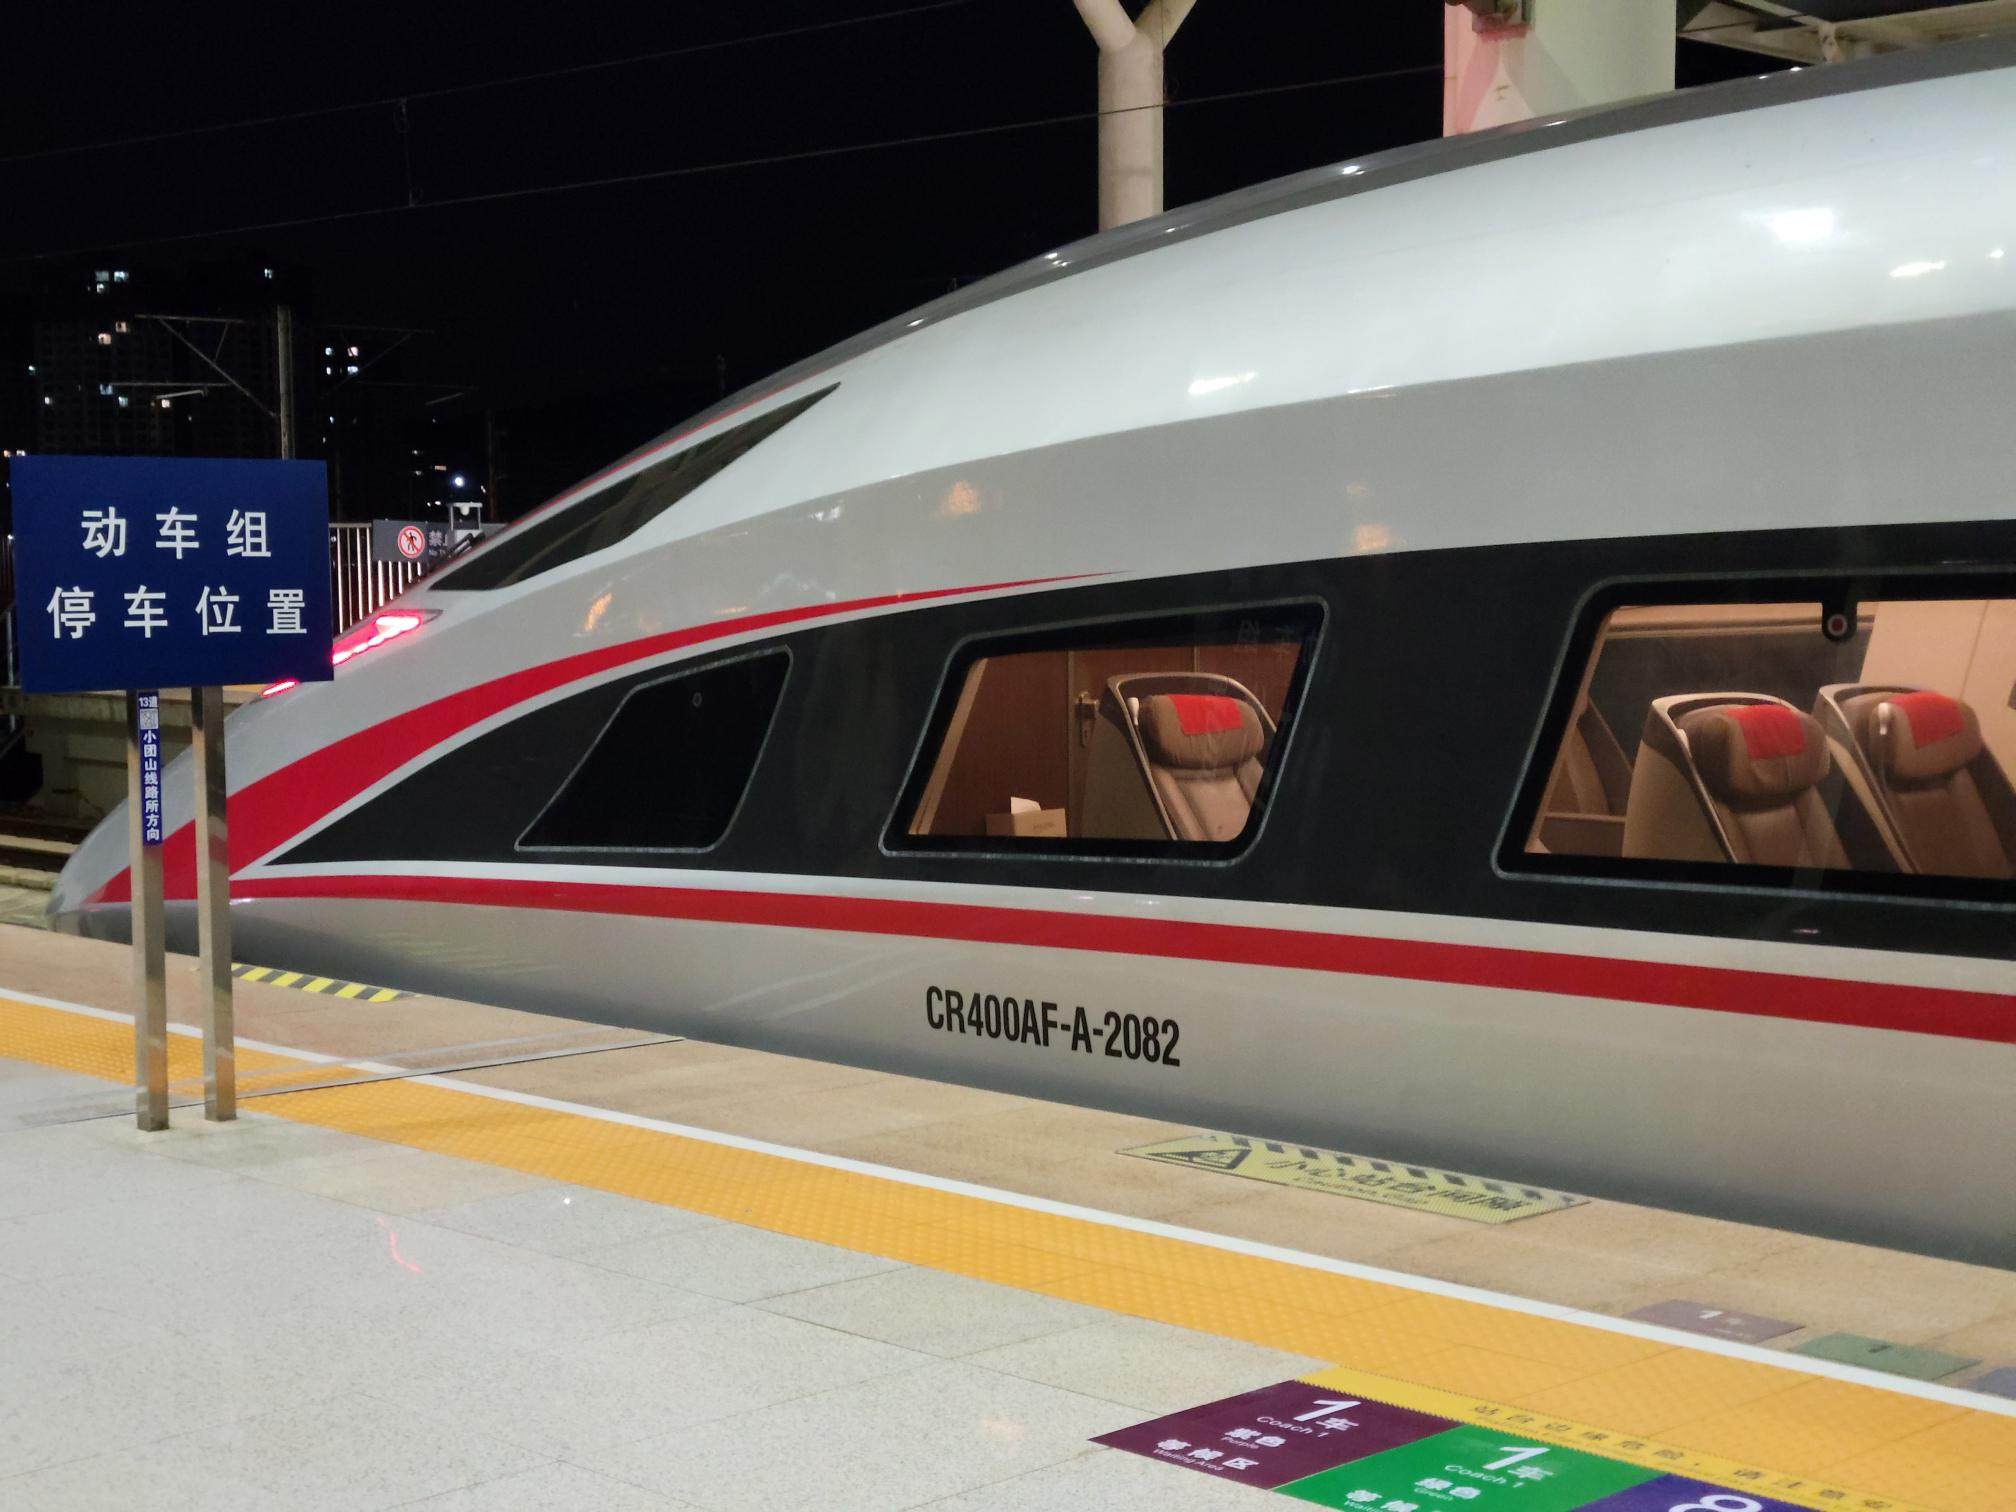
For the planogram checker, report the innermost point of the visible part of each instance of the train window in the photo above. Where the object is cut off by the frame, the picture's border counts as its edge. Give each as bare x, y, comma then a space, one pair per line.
609, 514
1153, 738
669, 769
1829, 737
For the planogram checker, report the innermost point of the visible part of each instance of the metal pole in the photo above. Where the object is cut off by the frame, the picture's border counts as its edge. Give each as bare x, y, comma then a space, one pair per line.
213, 905
1130, 103
150, 967
283, 342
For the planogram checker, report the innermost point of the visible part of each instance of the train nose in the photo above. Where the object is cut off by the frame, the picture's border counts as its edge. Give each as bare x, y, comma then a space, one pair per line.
91, 893
85, 876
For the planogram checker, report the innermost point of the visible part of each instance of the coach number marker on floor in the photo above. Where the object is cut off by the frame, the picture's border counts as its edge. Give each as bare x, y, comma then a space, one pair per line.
1349, 1439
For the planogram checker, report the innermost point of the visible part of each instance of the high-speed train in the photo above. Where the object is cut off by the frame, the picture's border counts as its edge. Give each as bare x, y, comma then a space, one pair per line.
1500, 654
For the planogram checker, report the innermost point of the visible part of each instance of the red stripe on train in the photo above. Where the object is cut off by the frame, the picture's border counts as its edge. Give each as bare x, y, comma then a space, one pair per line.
267, 813
1820, 1000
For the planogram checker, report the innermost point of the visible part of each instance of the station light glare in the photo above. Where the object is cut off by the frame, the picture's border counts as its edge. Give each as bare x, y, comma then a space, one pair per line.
459, 481
1798, 227
1202, 386
1994, 256
1917, 269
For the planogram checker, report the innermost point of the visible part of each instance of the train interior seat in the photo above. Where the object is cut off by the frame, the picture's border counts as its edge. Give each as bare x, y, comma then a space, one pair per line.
1731, 777
1584, 810
1943, 803
1176, 755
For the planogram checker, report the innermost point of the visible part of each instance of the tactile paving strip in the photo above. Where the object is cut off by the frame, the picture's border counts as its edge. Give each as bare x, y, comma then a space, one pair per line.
1812, 1442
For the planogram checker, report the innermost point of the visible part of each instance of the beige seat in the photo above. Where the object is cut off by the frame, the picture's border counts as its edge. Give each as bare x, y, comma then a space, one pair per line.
1173, 756
1584, 810
1204, 754
1943, 798
1731, 777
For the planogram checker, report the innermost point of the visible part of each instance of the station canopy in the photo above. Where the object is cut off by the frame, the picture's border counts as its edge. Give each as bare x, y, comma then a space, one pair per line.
1828, 31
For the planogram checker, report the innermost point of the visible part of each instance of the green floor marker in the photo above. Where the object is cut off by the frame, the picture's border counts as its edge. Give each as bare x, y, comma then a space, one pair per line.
1879, 1354
1470, 1469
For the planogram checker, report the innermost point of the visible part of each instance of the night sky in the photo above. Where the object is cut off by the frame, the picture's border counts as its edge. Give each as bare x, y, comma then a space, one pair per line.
618, 309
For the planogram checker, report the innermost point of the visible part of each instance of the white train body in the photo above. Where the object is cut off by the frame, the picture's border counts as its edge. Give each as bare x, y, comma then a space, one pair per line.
1437, 414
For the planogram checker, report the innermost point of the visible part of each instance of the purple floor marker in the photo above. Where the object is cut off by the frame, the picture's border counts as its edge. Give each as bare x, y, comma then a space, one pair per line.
1672, 1493
1276, 1434
1998, 1382
1715, 1322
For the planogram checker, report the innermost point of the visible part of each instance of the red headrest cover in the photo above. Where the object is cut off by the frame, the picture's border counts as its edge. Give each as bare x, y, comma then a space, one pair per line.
1920, 736
1198, 730
1748, 753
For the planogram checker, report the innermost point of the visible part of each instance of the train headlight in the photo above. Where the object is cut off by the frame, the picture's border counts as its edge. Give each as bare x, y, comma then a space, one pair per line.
366, 635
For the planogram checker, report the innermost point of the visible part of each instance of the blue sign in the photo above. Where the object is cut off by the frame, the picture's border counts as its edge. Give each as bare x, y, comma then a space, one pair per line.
151, 572
150, 768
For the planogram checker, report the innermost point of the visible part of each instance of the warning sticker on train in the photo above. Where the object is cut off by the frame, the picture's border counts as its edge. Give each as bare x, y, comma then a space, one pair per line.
1428, 1190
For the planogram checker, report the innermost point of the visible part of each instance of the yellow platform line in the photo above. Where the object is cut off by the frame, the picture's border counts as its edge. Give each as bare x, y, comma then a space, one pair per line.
1808, 1439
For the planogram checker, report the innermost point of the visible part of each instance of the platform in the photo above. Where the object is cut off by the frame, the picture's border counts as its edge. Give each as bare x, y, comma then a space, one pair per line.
459, 1257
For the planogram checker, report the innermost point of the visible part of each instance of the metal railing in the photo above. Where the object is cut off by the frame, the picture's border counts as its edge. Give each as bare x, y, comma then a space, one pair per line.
357, 583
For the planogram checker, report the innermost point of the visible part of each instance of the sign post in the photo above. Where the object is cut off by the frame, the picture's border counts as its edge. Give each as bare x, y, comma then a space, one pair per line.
213, 905
144, 829
149, 572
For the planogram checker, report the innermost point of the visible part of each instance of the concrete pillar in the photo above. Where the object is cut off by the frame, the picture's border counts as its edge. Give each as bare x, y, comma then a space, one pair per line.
1575, 53
1130, 104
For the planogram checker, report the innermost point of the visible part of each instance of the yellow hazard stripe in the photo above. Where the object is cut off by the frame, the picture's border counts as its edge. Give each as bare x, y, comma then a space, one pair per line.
321, 985
1809, 1441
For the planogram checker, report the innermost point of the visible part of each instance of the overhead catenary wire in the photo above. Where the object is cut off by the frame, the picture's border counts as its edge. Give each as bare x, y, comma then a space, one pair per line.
399, 102
689, 170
